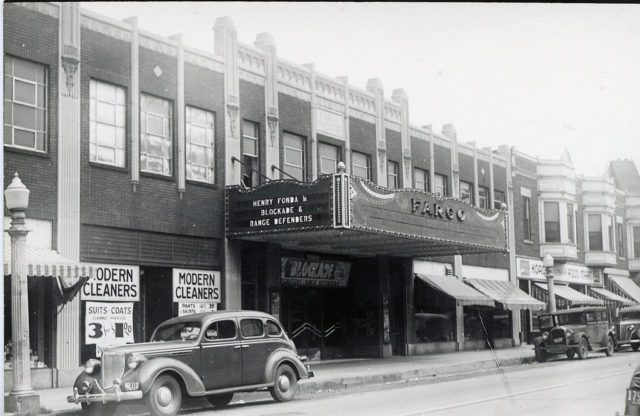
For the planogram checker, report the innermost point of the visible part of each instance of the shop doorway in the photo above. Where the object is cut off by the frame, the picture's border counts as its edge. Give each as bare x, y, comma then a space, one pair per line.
157, 299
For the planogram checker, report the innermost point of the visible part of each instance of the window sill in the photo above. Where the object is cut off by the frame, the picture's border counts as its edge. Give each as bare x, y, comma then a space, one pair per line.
99, 165
203, 184
37, 153
529, 242
157, 176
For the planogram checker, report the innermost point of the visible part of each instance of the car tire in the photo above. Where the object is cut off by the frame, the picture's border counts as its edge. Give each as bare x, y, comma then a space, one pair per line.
583, 349
285, 384
99, 409
541, 356
164, 397
220, 400
571, 354
611, 346
635, 347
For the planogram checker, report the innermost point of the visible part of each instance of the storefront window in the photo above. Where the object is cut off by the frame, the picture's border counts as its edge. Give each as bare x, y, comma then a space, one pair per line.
595, 232
435, 314
473, 324
421, 179
551, 222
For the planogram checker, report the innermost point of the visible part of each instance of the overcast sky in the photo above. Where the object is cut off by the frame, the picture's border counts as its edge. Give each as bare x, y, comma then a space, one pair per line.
540, 77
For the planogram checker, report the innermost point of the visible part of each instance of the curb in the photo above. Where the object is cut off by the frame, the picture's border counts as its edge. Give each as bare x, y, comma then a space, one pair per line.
311, 388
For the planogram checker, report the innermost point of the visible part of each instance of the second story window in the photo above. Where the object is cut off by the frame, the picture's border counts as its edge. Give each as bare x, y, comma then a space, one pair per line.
156, 135
498, 199
483, 197
551, 222
594, 225
293, 163
393, 181
360, 165
421, 179
466, 192
636, 242
25, 104
571, 222
200, 140
610, 226
526, 218
329, 158
250, 135
106, 123
440, 184
619, 240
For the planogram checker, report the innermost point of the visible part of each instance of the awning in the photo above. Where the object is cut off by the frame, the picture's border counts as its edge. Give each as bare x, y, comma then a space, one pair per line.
450, 285
626, 285
608, 296
572, 296
507, 294
42, 262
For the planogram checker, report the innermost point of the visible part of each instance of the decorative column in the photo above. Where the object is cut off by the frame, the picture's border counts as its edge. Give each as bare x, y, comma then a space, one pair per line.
226, 45
134, 101
314, 138
400, 96
22, 398
374, 86
449, 130
265, 42
432, 161
180, 117
67, 349
347, 135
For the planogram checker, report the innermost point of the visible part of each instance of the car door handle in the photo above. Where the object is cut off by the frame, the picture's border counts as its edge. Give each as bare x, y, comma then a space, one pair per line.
237, 347
245, 345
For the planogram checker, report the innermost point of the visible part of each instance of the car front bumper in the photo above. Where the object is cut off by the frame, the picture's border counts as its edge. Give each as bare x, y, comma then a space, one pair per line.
557, 349
104, 397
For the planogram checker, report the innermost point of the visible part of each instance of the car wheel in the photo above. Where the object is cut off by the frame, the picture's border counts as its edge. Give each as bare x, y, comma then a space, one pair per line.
583, 349
220, 400
611, 345
99, 409
285, 384
541, 356
164, 397
571, 354
635, 347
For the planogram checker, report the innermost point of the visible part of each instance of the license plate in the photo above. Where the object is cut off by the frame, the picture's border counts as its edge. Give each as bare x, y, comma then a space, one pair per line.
131, 385
633, 397
557, 340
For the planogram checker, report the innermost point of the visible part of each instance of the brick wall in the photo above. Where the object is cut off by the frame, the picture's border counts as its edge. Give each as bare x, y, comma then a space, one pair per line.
34, 36
531, 249
362, 135
420, 153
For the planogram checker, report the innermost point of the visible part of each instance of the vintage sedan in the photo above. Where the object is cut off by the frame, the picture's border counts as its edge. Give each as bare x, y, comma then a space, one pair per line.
574, 331
210, 355
628, 327
632, 398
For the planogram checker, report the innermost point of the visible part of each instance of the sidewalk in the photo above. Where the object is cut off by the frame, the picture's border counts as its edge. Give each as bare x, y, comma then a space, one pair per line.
342, 375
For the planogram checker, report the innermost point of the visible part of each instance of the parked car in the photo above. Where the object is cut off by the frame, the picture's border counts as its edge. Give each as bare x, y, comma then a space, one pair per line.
628, 327
210, 355
574, 331
632, 398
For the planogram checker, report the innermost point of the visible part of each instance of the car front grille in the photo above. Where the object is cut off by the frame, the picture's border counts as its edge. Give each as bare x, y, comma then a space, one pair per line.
112, 368
557, 335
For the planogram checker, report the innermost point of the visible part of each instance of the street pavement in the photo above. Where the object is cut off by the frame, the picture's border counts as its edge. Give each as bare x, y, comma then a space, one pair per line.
346, 376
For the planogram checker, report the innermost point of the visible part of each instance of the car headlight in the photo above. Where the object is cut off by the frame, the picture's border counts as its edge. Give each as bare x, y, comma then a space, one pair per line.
569, 332
91, 365
134, 360
545, 335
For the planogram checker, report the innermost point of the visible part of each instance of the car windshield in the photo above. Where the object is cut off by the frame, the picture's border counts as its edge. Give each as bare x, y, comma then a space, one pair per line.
635, 315
571, 319
183, 331
545, 321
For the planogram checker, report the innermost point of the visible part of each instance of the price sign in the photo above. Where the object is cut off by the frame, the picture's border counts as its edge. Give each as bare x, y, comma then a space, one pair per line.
108, 324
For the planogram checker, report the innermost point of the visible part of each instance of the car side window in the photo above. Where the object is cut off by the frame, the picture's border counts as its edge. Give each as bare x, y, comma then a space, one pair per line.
220, 330
591, 317
273, 329
602, 316
251, 328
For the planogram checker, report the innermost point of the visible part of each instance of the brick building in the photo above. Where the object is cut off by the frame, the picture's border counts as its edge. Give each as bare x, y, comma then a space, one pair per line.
158, 164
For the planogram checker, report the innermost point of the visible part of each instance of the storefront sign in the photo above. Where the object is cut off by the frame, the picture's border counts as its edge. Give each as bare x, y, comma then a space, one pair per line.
112, 283
279, 206
108, 323
562, 272
191, 308
315, 273
196, 286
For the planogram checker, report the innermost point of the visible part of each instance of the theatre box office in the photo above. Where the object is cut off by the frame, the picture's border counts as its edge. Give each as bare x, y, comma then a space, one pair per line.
333, 258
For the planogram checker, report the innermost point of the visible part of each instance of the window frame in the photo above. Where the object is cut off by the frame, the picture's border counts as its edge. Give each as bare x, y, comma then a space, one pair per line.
235, 336
253, 174
635, 248
338, 155
467, 195
425, 181
9, 102
592, 234
188, 126
367, 168
547, 223
571, 224
395, 175
145, 133
266, 330
497, 201
445, 185
94, 141
483, 197
611, 232
252, 336
302, 152
526, 218
620, 240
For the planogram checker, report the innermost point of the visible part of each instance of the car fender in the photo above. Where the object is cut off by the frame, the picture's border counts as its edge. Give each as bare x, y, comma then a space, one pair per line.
577, 336
280, 356
538, 342
605, 337
150, 370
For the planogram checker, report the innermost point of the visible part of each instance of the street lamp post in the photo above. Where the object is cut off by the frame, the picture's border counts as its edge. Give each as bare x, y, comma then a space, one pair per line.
547, 260
22, 398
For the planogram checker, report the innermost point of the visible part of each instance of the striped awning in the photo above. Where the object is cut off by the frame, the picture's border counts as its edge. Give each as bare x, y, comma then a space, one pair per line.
611, 297
572, 296
507, 294
626, 285
42, 262
450, 285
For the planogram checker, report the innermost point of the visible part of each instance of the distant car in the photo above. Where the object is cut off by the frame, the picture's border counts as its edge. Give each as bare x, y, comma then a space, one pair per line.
628, 327
574, 331
210, 355
632, 399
